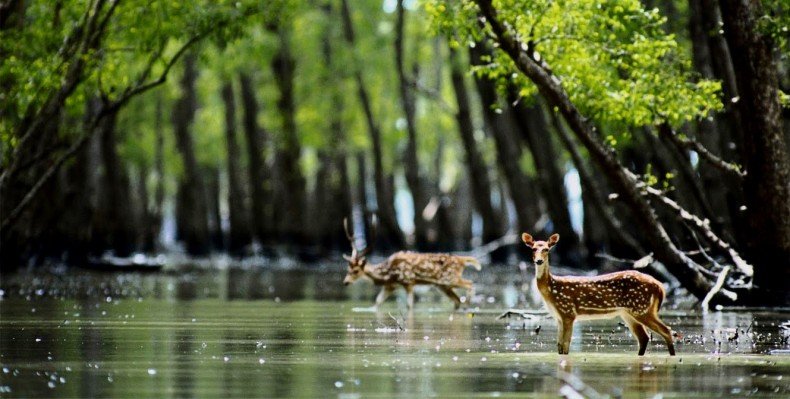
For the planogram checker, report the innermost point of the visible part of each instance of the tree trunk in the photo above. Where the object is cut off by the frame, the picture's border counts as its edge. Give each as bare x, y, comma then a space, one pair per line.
211, 176
763, 150
154, 224
712, 132
259, 176
461, 210
321, 203
331, 201
441, 230
291, 207
114, 203
596, 211
551, 179
501, 125
191, 209
239, 235
493, 227
146, 236
412, 166
76, 188
362, 179
338, 186
390, 234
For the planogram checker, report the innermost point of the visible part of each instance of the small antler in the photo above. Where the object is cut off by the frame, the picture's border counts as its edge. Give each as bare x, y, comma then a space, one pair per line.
355, 252
350, 237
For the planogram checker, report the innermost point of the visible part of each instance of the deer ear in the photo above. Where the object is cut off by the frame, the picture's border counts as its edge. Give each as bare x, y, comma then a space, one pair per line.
527, 239
553, 239
348, 258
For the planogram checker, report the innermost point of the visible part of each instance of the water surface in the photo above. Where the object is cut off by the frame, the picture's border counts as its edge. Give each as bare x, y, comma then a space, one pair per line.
298, 332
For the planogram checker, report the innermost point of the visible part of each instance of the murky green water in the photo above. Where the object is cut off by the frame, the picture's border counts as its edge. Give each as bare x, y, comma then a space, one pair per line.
299, 333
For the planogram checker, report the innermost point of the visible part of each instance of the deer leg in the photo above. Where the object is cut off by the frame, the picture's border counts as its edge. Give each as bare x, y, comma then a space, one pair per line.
383, 295
470, 293
564, 336
639, 333
409, 296
654, 323
449, 292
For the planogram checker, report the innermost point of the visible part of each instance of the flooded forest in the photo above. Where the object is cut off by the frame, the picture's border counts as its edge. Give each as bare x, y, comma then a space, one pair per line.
181, 181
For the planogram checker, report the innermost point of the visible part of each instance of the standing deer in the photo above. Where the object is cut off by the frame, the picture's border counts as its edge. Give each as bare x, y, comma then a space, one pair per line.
408, 269
635, 297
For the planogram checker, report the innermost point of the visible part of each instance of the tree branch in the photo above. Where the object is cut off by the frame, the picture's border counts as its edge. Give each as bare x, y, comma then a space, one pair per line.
74, 75
702, 226
690, 144
141, 88
17, 211
716, 288
432, 94
107, 109
588, 185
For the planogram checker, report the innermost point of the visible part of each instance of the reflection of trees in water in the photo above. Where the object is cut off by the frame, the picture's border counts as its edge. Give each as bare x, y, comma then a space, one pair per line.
285, 285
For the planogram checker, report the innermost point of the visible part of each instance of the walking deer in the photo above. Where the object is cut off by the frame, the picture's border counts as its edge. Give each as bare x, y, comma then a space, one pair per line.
635, 297
408, 269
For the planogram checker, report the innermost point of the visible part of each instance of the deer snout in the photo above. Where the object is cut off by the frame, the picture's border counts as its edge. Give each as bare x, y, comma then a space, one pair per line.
539, 261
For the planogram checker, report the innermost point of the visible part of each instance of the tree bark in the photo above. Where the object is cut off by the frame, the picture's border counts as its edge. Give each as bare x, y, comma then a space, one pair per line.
191, 211
154, 224
259, 176
291, 206
115, 194
239, 235
763, 150
211, 177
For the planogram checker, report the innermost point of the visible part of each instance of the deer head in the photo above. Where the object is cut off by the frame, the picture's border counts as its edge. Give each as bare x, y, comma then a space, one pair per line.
540, 249
357, 260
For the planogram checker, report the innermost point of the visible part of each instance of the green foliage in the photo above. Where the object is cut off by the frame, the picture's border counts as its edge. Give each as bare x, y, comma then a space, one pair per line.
66, 52
776, 24
784, 99
613, 57
652, 180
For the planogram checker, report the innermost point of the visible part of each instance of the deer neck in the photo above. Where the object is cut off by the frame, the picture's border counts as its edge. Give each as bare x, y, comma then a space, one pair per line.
374, 272
542, 274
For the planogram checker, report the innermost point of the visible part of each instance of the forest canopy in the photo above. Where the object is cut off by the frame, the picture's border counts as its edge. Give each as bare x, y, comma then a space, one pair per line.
644, 134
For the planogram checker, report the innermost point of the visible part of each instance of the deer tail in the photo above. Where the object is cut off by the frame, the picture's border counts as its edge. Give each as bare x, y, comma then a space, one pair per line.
471, 261
660, 296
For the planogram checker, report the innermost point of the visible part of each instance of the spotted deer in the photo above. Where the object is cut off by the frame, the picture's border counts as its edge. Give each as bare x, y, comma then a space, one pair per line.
635, 297
408, 269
